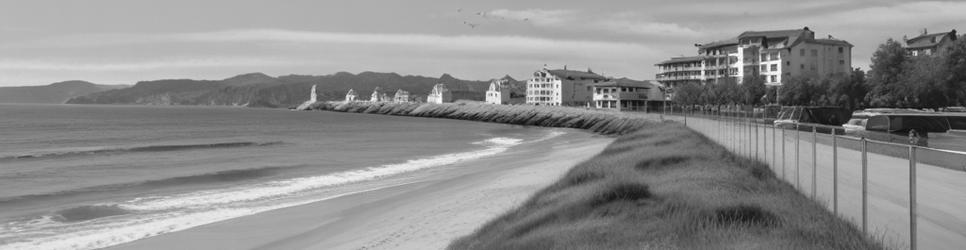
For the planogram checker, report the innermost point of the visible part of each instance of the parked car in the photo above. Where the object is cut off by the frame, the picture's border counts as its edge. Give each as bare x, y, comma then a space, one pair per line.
859, 117
904, 128
803, 117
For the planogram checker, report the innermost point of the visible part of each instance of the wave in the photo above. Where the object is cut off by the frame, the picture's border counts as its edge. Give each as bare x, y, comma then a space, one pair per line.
206, 178
137, 149
150, 216
293, 186
89, 212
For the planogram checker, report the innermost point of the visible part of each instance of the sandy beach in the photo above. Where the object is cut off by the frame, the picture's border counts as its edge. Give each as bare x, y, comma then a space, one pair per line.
422, 210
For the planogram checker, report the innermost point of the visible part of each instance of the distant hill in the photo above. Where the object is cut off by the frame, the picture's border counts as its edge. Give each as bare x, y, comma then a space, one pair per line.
54, 93
260, 90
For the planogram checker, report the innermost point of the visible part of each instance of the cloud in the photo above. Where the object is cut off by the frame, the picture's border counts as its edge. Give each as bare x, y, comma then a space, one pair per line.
182, 63
536, 16
285, 39
648, 28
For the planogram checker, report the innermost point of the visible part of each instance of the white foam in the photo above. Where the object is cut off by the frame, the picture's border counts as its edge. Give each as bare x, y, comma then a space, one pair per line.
294, 186
500, 142
165, 214
110, 234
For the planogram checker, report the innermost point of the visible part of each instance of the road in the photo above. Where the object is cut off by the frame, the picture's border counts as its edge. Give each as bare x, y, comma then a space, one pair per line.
941, 202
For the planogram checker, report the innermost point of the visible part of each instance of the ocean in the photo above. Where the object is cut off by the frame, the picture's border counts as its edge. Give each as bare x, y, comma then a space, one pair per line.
90, 176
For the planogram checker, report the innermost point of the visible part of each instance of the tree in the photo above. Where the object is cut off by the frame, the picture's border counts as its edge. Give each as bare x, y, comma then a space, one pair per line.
752, 90
922, 81
688, 94
954, 63
885, 74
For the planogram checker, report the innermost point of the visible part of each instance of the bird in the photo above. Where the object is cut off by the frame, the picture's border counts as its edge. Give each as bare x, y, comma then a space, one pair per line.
526, 19
472, 25
459, 10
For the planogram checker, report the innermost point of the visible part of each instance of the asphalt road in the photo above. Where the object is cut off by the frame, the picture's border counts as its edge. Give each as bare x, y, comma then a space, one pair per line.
941, 200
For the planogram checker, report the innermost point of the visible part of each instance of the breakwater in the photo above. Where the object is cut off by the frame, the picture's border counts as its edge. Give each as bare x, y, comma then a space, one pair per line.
607, 123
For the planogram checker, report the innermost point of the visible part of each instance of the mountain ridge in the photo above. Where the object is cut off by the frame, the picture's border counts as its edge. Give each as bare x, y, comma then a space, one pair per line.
54, 93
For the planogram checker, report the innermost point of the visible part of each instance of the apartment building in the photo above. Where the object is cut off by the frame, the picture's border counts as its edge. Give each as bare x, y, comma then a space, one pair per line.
928, 44
770, 55
562, 87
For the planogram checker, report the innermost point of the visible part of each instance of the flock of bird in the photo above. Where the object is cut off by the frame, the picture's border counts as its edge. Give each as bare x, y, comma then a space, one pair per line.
483, 15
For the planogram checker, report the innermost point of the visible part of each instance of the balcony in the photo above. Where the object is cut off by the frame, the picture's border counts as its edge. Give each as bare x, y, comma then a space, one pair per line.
620, 96
677, 78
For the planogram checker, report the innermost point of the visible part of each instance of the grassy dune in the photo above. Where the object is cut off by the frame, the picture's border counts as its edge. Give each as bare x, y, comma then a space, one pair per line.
664, 187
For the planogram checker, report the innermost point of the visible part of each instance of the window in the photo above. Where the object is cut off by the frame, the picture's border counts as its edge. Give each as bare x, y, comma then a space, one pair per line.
841, 62
841, 50
803, 66
774, 67
802, 52
788, 63
764, 68
774, 78
764, 57
814, 52
588, 88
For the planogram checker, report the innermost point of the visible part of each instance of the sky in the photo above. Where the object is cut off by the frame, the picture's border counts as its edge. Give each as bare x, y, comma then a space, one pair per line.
126, 41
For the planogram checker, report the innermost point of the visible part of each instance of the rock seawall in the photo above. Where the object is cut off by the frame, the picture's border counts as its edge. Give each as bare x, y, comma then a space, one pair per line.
602, 122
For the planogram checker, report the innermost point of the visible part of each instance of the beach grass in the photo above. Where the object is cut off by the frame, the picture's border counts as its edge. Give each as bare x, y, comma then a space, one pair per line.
657, 186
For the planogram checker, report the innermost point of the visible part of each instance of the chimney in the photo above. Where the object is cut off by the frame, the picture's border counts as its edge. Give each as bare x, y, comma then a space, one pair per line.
925, 31
829, 36
565, 67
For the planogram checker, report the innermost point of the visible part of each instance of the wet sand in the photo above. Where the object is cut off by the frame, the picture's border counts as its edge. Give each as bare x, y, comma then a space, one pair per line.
423, 210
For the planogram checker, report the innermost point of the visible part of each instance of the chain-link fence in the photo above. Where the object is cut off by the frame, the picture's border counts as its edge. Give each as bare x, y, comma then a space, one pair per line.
909, 196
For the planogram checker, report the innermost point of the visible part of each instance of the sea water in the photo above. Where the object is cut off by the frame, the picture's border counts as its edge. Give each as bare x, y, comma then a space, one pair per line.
83, 177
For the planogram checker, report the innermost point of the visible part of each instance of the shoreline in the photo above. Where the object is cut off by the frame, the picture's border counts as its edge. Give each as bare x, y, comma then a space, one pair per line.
424, 210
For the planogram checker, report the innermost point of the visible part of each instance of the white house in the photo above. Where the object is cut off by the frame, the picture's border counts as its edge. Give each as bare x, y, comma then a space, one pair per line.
350, 96
499, 92
628, 95
440, 94
401, 96
377, 95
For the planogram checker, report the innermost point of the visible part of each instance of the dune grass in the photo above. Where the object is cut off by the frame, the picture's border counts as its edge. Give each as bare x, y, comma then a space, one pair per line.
659, 186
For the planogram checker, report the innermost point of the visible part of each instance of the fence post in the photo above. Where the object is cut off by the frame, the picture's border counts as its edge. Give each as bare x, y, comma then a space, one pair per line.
814, 164
783, 155
757, 156
774, 147
912, 197
685, 113
764, 138
798, 170
835, 173
865, 185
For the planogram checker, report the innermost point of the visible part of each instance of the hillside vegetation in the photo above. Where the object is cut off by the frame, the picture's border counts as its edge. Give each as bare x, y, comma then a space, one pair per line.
659, 186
